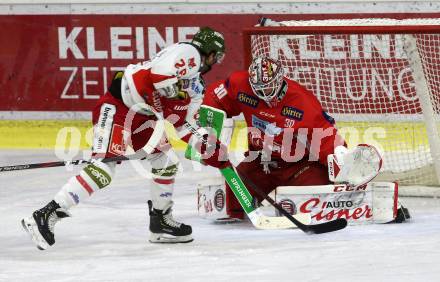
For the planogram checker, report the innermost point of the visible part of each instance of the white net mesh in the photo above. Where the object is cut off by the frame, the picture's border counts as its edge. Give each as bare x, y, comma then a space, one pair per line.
366, 82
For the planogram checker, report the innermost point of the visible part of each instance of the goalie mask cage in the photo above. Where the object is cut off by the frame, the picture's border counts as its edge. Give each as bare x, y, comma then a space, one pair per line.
379, 79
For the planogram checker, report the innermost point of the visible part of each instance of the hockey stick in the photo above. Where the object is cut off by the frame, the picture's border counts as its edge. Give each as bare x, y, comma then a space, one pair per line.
258, 219
245, 198
148, 148
58, 163
325, 227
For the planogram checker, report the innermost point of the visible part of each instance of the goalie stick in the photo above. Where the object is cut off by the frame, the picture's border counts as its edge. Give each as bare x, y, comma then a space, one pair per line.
258, 219
148, 148
256, 215
320, 228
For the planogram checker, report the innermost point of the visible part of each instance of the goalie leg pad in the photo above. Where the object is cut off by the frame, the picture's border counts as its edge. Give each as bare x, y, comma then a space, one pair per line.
216, 202
376, 202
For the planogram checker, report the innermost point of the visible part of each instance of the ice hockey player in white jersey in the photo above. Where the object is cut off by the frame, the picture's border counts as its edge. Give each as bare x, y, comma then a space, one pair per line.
171, 83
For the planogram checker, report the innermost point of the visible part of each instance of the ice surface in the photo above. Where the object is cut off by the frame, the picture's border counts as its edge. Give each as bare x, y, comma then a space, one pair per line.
106, 239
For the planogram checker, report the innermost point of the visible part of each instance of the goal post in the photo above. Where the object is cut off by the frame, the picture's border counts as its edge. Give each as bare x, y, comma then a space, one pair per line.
379, 79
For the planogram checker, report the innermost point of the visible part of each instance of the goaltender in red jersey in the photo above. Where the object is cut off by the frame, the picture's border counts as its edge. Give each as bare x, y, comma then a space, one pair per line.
292, 140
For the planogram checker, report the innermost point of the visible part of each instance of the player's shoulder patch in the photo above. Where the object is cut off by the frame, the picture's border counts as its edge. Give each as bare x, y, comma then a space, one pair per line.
292, 112
327, 117
248, 100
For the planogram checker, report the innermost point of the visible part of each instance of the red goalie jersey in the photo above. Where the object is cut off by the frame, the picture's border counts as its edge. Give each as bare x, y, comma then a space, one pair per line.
297, 120
289, 134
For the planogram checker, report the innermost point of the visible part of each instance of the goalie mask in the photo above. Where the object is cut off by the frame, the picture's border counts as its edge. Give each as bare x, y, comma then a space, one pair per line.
266, 79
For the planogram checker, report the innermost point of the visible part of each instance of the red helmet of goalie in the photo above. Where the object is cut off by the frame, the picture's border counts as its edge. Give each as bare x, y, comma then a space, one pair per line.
266, 77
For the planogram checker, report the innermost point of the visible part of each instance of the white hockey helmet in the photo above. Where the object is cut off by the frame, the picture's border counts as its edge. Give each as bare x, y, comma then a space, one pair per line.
266, 77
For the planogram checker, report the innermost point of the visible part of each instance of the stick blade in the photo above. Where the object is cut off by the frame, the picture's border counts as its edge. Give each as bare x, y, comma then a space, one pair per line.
326, 227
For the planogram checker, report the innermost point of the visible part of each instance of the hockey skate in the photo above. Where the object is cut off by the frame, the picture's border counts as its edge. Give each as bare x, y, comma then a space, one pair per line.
40, 225
164, 229
402, 214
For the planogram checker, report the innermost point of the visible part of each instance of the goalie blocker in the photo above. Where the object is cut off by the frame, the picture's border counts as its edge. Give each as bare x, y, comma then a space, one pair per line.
375, 202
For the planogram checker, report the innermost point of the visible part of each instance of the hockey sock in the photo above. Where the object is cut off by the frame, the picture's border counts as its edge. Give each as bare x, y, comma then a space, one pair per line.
93, 177
163, 172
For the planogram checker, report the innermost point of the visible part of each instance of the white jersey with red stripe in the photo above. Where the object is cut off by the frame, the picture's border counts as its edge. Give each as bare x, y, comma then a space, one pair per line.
140, 81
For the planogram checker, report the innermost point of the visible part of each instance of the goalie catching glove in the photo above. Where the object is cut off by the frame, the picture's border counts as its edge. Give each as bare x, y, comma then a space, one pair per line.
356, 166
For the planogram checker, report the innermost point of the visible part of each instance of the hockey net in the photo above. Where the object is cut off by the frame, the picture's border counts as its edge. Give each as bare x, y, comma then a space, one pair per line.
379, 79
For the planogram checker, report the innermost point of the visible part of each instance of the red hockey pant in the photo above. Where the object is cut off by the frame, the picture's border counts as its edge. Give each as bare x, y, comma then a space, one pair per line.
111, 126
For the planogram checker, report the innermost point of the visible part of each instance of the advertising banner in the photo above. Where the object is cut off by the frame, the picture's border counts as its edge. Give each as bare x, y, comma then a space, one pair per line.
65, 62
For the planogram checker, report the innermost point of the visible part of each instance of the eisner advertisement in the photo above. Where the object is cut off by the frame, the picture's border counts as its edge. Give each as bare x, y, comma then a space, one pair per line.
375, 202
322, 208
65, 62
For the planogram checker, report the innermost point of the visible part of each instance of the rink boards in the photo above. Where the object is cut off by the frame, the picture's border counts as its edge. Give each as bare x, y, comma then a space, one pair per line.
47, 134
